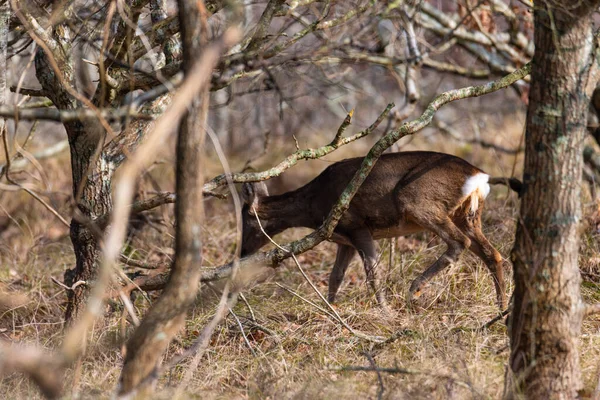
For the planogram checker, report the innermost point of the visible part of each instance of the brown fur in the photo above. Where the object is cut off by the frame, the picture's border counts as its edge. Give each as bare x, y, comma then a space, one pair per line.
405, 193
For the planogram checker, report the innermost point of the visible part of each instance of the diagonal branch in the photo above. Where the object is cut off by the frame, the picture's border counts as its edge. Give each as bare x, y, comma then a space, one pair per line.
47, 370
274, 257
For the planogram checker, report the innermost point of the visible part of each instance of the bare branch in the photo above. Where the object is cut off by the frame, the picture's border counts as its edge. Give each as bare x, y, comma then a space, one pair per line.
72, 346
141, 206
29, 92
34, 28
342, 129
292, 159
138, 264
48, 152
166, 28
456, 69
196, 78
80, 114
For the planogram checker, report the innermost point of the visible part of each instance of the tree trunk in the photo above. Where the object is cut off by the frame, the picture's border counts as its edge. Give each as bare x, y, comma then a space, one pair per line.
92, 191
92, 176
546, 320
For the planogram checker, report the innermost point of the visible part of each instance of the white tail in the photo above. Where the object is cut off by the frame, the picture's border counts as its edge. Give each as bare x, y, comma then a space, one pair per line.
476, 187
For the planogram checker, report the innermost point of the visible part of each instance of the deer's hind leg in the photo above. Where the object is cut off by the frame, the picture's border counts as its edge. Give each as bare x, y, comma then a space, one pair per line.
470, 224
456, 241
344, 256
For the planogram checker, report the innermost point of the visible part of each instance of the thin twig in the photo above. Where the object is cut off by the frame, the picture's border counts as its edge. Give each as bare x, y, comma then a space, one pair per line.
495, 319
264, 329
318, 307
129, 307
451, 132
292, 159
342, 129
72, 287
248, 307
239, 323
23, 187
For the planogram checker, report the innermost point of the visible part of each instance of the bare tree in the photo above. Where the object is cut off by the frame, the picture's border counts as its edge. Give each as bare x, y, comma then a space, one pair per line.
548, 310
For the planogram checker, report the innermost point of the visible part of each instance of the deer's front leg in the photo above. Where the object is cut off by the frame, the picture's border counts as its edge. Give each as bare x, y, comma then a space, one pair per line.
344, 256
364, 244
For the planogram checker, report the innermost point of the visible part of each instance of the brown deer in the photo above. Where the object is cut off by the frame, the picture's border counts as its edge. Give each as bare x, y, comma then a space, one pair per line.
405, 193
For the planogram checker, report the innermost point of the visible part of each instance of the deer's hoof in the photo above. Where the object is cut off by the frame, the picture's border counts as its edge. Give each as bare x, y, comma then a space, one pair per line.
416, 290
413, 297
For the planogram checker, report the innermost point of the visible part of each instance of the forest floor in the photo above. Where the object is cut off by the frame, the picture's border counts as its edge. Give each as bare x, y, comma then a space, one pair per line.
289, 348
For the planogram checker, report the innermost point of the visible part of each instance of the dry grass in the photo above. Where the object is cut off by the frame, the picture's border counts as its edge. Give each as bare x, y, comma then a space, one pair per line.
295, 350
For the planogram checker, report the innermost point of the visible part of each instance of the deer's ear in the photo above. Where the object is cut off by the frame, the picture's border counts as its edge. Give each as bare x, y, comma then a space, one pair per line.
252, 191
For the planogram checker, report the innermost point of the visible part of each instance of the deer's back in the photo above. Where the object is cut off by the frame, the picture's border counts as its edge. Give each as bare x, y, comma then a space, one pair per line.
399, 185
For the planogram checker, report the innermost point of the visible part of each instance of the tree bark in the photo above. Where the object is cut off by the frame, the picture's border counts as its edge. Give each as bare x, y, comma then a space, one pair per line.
92, 181
547, 313
91, 176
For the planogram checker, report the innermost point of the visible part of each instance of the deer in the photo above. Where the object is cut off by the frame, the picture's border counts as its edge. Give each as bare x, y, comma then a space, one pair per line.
405, 193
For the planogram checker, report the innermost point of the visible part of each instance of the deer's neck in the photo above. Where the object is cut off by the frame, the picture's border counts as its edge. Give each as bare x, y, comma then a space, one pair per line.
285, 211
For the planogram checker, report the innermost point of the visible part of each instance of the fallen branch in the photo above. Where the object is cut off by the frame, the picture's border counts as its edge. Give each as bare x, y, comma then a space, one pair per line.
138, 264
495, 319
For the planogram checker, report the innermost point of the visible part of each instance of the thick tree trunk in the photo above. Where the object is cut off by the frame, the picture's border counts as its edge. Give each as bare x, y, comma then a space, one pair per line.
92, 177
546, 319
